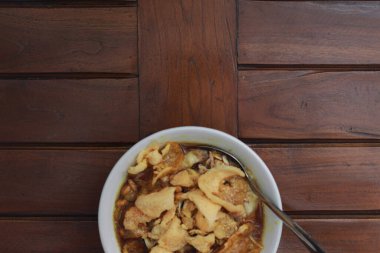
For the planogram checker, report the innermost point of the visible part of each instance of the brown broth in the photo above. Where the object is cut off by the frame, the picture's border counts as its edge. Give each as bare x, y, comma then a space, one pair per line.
143, 181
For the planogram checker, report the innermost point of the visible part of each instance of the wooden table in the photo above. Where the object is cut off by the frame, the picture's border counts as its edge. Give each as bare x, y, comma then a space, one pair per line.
81, 81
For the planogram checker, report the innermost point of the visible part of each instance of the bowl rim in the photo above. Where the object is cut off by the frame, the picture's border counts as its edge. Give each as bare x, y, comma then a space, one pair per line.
102, 217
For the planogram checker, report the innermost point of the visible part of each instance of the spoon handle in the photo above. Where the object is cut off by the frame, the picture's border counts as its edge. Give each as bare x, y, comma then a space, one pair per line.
305, 238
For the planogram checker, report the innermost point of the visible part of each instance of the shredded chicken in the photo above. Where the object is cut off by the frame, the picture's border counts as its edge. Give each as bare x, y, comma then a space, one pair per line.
225, 226
185, 178
241, 241
162, 225
140, 167
175, 237
202, 243
210, 183
154, 204
135, 221
154, 157
205, 206
158, 249
202, 223
179, 200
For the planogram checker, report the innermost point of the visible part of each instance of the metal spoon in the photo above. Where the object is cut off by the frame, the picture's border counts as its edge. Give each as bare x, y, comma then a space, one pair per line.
305, 238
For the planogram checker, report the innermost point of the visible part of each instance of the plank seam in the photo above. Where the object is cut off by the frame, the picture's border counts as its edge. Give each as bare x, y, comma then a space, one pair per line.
67, 4
321, 67
65, 75
309, 141
94, 217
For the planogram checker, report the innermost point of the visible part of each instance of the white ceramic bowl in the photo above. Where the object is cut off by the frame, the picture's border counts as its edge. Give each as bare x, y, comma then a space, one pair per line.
272, 225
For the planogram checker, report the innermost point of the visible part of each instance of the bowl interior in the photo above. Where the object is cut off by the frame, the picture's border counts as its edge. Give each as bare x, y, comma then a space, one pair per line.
200, 135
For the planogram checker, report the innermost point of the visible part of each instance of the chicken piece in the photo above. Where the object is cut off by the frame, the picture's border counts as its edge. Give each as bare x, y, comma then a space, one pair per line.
129, 191
175, 237
194, 156
165, 150
150, 155
187, 222
149, 243
225, 226
135, 221
144, 153
202, 243
187, 208
234, 190
210, 183
202, 169
225, 160
186, 215
202, 223
162, 226
158, 249
173, 157
205, 206
155, 203
251, 203
154, 157
185, 178
162, 173
241, 241
168, 217
140, 167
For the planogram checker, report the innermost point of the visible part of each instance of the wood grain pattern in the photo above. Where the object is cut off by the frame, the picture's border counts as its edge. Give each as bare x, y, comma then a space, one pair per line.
187, 64
309, 104
346, 235
336, 236
97, 110
53, 182
68, 40
69, 182
325, 178
71, 3
49, 236
309, 32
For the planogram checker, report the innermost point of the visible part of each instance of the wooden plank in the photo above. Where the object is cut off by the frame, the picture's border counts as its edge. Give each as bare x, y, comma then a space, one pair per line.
68, 40
325, 178
69, 182
53, 182
49, 3
97, 110
345, 235
309, 32
336, 236
187, 64
49, 236
309, 105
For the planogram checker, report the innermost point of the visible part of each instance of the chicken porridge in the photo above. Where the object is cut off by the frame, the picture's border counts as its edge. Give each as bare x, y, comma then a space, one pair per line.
182, 198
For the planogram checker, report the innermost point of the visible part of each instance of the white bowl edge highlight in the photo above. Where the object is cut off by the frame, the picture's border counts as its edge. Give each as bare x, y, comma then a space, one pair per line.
191, 134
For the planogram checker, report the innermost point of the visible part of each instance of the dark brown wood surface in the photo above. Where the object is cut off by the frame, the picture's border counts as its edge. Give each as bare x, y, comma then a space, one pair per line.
337, 235
188, 74
53, 182
309, 104
69, 182
81, 81
96, 110
49, 236
309, 32
68, 40
340, 178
